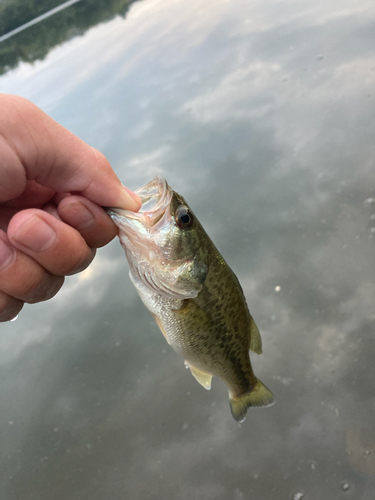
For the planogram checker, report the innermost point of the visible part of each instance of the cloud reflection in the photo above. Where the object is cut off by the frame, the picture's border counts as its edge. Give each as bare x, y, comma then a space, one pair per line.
273, 149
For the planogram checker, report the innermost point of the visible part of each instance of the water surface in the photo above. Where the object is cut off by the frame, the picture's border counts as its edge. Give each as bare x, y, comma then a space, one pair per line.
261, 114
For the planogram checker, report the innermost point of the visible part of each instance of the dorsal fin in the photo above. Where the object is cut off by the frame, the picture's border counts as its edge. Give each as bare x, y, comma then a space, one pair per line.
255, 338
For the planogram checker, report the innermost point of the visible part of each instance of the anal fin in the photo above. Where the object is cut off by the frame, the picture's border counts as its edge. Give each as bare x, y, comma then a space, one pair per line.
204, 378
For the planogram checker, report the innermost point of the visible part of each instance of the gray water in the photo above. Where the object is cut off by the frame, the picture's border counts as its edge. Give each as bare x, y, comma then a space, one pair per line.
261, 114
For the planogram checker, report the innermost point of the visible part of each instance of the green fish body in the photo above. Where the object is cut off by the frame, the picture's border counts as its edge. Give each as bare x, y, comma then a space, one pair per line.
194, 296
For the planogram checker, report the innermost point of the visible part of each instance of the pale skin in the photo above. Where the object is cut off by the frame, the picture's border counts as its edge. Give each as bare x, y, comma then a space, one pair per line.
52, 190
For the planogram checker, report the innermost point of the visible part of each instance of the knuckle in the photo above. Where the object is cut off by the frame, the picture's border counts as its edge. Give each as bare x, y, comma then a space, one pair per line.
99, 156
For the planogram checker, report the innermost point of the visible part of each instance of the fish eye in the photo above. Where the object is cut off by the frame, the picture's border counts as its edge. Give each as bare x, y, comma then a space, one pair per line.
183, 217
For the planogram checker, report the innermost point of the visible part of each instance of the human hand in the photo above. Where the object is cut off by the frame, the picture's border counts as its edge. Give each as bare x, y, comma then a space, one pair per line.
52, 188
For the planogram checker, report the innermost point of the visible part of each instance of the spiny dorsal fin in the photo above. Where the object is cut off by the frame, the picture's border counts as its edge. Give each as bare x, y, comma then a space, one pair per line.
204, 378
255, 338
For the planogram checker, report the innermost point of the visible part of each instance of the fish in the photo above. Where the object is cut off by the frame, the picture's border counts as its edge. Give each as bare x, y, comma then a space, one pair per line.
193, 295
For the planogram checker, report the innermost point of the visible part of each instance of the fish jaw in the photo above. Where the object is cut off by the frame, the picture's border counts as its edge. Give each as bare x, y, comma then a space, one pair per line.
153, 214
144, 237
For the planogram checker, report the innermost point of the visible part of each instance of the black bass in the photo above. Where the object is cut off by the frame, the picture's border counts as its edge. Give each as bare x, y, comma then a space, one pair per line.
192, 293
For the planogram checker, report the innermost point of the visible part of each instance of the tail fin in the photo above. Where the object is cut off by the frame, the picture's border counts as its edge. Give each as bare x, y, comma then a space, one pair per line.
259, 395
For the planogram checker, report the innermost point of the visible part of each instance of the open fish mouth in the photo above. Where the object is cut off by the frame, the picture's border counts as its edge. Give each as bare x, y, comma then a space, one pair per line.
156, 196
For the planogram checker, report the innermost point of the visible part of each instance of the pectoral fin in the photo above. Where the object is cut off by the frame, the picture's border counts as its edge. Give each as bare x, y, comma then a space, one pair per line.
204, 378
191, 277
255, 338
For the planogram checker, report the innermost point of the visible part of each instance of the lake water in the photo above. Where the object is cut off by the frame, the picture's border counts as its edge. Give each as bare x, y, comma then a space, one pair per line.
261, 114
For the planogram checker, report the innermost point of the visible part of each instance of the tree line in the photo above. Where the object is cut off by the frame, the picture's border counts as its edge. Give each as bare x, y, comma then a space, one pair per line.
36, 41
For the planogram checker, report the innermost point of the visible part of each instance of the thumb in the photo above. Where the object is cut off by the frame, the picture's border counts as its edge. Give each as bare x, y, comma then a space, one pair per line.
35, 147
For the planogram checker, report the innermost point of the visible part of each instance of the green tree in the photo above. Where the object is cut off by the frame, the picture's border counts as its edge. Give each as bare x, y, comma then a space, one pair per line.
36, 41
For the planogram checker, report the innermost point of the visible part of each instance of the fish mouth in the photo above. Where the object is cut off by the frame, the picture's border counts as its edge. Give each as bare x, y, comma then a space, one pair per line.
156, 196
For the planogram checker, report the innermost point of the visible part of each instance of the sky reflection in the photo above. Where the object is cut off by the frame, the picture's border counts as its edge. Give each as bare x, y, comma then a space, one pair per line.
261, 115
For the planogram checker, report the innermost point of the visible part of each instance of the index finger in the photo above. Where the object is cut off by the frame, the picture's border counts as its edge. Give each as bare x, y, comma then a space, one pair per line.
35, 147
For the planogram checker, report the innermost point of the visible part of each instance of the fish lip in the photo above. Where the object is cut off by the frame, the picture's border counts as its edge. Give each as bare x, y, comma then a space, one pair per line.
156, 196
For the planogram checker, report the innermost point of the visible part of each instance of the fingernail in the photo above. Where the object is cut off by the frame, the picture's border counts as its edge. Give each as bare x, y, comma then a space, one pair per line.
130, 201
6, 254
35, 234
77, 214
